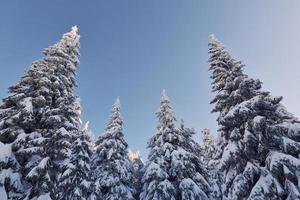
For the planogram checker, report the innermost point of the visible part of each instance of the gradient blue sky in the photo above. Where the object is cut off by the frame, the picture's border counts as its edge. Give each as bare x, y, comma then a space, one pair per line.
135, 48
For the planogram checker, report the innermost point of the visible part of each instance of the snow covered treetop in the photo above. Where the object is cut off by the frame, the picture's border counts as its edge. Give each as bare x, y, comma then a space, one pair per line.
164, 96
165, 114
117, 103
115, 121
213, 40
74, 30
73, 34
134, 155
67, 47
206, 131
69, 39
116, 110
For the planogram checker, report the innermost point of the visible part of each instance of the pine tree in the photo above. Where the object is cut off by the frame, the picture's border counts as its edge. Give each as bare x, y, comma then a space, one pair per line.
209, 152
39, 121
208, 145
32, 111
173, 170
138, 165
232, 87
259, 158
113, 172
60, 121
20, 127
75, 182
230, 84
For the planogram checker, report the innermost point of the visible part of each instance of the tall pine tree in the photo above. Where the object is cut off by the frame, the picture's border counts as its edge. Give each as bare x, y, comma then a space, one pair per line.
259, 157
39, 120
112, 169
173, 170
60, 122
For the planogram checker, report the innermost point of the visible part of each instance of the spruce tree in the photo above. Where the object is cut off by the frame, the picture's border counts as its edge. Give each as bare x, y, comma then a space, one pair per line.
112, 169
208, 145
60, 121
260, 150
39, 108
138, 165
209, 153
231, 87
173, 170
75, 183
39, 121
21, 127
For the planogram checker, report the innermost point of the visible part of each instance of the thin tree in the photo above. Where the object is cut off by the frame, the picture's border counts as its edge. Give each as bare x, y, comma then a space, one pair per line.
173, 170
112, 169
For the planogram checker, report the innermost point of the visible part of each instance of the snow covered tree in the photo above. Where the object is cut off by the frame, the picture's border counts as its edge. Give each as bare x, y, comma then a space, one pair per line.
75, 182
39, 121
260, 150
232, 87
230, 84
60, 120
112, 169
18, 123
173, 170
208, 145
137, 163
191, 145
208, 154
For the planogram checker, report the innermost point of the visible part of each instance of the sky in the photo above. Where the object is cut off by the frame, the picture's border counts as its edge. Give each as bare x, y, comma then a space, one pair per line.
134, 49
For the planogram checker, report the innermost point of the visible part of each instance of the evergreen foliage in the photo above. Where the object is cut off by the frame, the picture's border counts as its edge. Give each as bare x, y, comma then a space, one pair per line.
75, 182
113, 172
254, 159
173, 170
47, 154
138, 166
39, 121
209, 146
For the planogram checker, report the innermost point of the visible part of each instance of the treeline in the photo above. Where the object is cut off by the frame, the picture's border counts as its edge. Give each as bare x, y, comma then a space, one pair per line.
47, 153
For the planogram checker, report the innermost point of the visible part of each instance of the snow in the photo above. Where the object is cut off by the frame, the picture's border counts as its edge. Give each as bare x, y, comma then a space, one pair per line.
212, 39
293, 128
117, 103
5, 151
30, 150
64, 132
85, 184
33, 172
276, 159
74, 30
44, 163
134, 155
27, 103
257, 119
3, 195
44, 197
191, 191
164, 96
86, 126
55, 119
72, 39
290, 145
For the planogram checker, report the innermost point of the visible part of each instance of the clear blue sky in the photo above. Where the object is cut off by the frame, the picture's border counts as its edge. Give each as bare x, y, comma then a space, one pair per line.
135, 48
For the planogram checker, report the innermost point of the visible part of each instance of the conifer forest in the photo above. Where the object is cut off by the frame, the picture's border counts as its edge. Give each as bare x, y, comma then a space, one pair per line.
47, 153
